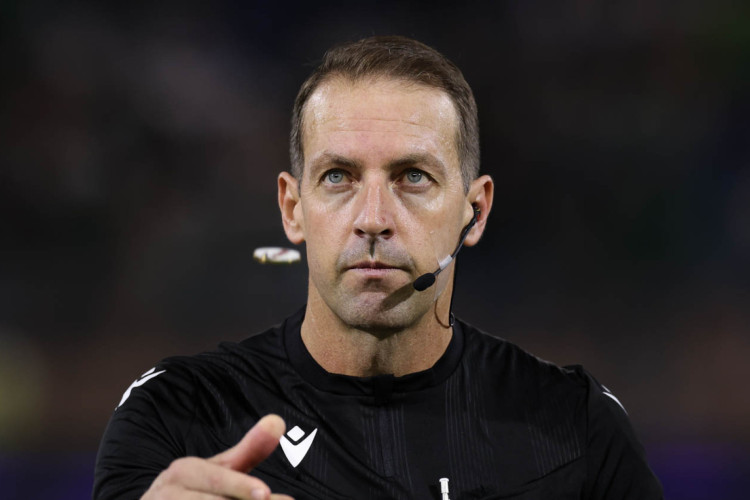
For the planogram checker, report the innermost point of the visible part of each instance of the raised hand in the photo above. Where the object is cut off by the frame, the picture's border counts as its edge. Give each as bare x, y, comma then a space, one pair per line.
223, 475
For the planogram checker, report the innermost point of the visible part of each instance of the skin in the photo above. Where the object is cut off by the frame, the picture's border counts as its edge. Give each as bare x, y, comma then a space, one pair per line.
380, 201
223, 475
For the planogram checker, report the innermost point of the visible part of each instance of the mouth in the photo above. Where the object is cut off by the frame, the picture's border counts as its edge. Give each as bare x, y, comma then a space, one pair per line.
373, 268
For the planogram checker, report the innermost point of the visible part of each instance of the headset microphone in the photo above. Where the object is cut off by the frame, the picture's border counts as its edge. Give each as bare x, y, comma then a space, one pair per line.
427, 280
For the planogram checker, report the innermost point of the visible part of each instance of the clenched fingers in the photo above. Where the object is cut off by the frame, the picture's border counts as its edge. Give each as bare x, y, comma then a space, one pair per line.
197, 476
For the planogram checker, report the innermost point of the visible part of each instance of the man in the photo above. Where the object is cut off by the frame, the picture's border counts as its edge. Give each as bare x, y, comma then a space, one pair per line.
385, 395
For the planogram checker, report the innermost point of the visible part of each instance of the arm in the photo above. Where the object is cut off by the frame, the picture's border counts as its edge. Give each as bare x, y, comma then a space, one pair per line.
616, 463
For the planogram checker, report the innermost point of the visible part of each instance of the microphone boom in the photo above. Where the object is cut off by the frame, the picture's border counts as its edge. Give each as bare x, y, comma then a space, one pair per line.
427, 280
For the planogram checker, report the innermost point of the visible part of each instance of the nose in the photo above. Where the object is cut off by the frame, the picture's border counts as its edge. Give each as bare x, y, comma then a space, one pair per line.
374, 213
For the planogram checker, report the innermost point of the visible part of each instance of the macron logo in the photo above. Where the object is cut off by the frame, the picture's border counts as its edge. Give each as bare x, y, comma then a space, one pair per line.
142, 380
296, 451
607, 392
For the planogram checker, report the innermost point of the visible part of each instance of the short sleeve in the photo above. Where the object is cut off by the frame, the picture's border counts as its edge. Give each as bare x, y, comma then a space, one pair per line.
145, 433
616, 465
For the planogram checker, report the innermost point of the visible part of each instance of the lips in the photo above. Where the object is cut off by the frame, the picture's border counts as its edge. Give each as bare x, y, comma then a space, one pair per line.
372, 265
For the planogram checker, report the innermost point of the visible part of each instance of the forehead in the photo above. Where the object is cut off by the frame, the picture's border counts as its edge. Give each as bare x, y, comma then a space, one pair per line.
386, 114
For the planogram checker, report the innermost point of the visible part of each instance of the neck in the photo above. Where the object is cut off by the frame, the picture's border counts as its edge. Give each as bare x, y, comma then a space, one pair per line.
342, 349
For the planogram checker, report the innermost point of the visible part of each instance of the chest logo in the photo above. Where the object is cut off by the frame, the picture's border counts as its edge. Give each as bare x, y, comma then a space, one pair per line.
296, 449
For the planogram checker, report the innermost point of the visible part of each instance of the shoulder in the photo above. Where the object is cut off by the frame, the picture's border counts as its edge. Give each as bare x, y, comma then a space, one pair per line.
569, 410
617, 465
520, 372
538, 380
175, 383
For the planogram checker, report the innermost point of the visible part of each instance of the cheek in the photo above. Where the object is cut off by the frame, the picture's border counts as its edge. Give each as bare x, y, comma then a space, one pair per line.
438, 235
322, 233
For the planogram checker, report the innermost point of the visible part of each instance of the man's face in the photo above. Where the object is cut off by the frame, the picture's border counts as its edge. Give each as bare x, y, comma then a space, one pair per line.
381, 197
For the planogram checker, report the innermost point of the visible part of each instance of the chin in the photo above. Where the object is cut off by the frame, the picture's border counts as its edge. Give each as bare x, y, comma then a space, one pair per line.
378, 316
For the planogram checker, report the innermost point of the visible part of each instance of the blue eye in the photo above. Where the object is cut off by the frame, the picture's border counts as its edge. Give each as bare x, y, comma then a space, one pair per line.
414, 176
335, 176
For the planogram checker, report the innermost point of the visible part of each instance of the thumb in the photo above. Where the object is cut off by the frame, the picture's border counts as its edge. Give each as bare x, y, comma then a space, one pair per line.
254, 447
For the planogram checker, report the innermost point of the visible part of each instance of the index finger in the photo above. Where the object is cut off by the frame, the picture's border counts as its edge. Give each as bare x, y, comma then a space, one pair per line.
254, 447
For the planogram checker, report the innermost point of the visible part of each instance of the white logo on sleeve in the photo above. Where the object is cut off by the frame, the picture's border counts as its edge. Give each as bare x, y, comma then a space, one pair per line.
296, 452
607, 392
142, 380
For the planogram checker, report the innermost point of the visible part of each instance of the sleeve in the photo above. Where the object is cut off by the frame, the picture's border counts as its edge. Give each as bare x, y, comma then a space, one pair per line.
616, 465
145, 433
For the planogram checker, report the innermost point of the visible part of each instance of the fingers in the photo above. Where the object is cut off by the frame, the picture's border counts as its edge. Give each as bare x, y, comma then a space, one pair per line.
258, 443
195, 476
179, 494
223, 475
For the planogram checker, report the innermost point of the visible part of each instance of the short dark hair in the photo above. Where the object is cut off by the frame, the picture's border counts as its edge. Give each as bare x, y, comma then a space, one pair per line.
399, 58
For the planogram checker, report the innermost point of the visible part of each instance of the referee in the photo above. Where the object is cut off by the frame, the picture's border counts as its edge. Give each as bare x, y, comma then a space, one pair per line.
373, 390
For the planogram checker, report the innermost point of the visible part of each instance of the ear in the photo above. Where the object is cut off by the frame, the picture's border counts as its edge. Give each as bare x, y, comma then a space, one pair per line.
480, 195
291, 208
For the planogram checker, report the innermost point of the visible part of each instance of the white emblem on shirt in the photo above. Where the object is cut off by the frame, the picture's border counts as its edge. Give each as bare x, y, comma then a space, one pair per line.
296, 452
607, 392
141, 380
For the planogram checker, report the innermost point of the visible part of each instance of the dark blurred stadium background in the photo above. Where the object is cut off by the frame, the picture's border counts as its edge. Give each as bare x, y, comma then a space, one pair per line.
139, 147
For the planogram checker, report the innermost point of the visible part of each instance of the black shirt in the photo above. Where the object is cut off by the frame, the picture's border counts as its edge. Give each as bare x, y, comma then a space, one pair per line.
496, 421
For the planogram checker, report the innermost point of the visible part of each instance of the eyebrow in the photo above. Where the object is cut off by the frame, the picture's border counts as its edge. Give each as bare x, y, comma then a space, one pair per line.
419, 159
333, 159
403, 161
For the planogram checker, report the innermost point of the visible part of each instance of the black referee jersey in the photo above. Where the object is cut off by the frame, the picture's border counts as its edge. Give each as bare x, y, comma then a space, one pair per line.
497, 422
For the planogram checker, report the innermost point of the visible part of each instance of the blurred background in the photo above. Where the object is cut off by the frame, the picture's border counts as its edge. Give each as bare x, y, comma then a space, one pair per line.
139, 148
